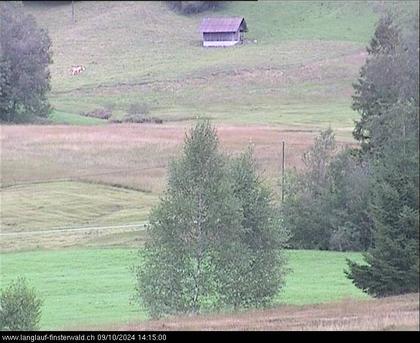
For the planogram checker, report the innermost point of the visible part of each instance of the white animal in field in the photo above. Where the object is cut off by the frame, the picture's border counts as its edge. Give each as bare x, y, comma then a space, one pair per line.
76, 70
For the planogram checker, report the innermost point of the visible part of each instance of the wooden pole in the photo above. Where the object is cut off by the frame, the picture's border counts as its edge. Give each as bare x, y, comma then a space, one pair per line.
282, 173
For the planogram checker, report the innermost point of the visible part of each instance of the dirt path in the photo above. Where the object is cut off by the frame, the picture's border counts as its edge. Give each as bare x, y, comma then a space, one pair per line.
72, 229
90, 236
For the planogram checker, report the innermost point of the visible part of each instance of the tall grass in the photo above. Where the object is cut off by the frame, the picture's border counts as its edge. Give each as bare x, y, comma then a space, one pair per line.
132, 156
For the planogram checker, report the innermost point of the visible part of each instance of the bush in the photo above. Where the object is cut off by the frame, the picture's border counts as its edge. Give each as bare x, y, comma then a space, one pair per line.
20, 307
138, 113
191, 7
136, 118
100, 113
345, 238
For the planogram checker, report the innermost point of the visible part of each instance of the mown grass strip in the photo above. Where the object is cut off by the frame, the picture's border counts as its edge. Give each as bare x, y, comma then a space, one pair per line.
94, 286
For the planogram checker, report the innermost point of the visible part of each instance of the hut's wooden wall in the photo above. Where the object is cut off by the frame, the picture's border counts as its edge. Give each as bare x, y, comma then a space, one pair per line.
220, 36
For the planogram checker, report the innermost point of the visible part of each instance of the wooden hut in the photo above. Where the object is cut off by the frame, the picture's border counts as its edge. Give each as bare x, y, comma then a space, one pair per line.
223, 31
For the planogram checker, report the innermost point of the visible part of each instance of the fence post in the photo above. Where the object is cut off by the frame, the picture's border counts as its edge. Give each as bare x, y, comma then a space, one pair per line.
282, 173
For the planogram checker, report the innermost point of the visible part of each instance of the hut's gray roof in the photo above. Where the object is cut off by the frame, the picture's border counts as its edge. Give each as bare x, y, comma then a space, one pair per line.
223, 24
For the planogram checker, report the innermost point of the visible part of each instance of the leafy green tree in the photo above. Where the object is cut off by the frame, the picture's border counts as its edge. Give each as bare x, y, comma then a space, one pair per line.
305, 209
212, 238
24, 58
259, 268
347, 199
20, 307
197, 221
326, 205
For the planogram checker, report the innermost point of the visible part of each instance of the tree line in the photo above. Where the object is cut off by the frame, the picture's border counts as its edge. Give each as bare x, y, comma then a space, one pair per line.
367, 198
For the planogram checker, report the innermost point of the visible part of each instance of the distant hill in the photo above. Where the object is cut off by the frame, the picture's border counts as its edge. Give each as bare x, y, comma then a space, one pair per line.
296, 69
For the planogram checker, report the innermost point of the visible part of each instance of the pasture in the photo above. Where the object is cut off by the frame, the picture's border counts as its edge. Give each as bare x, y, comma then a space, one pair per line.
93, 286
298, 73
76, 177
133, 156
74, 197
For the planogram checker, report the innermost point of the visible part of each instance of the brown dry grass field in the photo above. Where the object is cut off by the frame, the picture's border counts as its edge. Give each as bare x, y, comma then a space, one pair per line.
62, 176
389, 314
132, 156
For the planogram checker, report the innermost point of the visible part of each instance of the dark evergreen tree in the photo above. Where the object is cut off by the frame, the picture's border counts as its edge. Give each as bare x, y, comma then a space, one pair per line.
392, 265
376, 88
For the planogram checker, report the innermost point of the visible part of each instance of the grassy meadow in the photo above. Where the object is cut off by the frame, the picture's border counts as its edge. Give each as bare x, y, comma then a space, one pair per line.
297, 55
56, 177
291, 78
91, 286
85, 204
73, 119
134, 156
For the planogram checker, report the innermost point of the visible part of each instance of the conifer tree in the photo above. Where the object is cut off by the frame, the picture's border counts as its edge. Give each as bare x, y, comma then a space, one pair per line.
392, 265
392, 151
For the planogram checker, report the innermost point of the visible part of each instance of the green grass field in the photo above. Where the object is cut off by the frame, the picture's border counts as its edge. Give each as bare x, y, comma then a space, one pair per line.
87, 287
60, 117
294, 73
39, 216
299, 72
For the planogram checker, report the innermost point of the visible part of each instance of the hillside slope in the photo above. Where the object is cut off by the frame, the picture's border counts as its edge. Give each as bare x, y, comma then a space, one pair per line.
297, 68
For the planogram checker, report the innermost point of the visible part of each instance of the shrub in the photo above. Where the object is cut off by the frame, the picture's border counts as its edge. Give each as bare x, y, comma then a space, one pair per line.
100, 113
191, 7
138, 113
20, 307
136, 118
